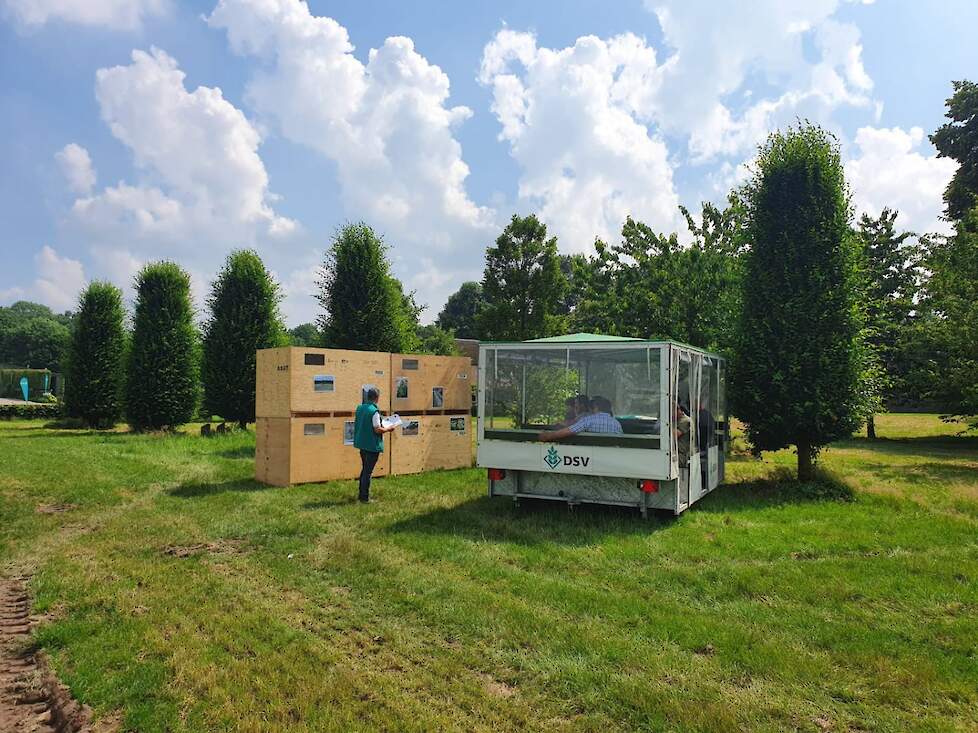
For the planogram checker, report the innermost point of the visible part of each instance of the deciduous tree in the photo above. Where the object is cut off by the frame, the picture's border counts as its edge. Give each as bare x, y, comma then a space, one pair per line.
461, 311
958, 140
522, 285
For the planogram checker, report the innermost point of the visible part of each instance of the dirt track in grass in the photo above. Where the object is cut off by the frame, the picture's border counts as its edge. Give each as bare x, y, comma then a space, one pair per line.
31, 698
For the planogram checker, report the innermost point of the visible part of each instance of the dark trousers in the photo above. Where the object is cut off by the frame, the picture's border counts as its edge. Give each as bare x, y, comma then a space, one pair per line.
368, 459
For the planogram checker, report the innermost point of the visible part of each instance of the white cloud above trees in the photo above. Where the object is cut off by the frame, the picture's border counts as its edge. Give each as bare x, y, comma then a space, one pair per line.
123, 15
385, 123
76, 165
888, 169
576, 120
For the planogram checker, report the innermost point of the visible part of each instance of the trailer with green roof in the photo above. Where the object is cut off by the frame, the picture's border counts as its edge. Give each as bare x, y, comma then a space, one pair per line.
662, 448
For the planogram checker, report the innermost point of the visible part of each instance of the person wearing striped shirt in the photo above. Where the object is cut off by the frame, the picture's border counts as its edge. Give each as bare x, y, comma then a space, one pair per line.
599, 420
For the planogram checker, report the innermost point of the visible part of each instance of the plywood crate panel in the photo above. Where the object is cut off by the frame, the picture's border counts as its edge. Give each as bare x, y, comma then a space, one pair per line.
304, 380
423, 372
436, 444
309, 449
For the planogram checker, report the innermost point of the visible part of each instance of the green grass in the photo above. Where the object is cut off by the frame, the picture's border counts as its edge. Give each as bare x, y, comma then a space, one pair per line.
764, 607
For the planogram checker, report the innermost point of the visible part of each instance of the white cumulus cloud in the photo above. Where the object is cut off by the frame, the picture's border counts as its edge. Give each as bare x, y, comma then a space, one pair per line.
385, 123
576, 120
113, 14
722, 50
889, 169
59, 279
204, 186
76, 165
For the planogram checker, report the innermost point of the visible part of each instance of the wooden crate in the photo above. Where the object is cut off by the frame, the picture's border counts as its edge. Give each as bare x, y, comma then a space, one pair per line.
436, 444
301, 450
294, 379
422, 374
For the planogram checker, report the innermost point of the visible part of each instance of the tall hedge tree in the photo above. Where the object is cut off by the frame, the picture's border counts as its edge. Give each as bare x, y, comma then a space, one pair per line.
364, 306
243, 317
523, 284
163, 374
797, 376
96, 354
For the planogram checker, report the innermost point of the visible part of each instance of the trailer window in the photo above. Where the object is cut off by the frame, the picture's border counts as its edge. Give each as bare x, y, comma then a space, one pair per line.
529, 390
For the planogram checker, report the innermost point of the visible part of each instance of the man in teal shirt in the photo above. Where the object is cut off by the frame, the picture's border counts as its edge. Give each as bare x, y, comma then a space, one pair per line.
368, 437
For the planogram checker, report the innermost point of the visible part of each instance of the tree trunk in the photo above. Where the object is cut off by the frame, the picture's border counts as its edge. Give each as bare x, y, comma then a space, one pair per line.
871, 427
806, 469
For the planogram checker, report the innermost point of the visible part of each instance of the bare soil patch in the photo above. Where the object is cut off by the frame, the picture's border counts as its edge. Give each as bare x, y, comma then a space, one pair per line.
32, 700
55, 508
221, 547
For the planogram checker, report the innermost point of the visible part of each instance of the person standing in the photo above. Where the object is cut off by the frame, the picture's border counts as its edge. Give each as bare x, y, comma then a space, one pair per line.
368, 437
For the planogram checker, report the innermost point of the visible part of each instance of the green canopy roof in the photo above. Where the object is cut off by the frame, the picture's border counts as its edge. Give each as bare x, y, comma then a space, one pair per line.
572, 338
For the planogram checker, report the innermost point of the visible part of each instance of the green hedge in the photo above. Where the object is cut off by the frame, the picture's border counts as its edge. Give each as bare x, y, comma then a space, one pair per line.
10, 382
30, 411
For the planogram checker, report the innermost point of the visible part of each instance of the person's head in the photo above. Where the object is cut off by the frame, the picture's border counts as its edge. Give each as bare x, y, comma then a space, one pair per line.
373, 394
600, 404
681, 409
583, 404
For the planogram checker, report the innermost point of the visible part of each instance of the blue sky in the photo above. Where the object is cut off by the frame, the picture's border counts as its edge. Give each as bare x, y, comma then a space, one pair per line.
135, 130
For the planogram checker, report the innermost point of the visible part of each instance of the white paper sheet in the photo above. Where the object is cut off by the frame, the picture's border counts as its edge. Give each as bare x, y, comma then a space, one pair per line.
391, 422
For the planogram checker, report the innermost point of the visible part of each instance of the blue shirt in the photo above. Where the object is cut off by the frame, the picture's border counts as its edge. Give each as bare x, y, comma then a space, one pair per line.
596, 422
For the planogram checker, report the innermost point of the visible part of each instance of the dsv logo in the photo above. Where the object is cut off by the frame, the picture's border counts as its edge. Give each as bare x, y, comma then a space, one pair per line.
554, 459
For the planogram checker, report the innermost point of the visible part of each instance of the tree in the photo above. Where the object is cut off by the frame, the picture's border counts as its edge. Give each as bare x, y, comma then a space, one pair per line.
522, 285
364, 306
891, 278
648, 286
461, 311
162, 379
436, 340
799, 361
305, 334
958, 140
947, 328
94, 387
38, 342
244, 317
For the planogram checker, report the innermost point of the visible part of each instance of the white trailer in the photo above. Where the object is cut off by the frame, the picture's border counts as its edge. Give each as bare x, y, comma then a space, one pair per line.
523, 390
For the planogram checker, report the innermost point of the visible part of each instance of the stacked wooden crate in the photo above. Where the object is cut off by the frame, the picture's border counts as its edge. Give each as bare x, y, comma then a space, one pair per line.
304, 405
433, 395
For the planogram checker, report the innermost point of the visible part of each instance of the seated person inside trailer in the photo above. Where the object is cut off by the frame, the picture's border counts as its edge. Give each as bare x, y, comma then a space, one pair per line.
576, 407
600, 419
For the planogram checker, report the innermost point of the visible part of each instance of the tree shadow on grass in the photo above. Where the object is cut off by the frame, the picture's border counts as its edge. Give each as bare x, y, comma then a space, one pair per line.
930, 445
781, 488
533, 522
245, 451
197, 489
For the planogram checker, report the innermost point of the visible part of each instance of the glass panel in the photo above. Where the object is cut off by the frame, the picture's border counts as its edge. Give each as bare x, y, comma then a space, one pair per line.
684, 425
409, 364
709, 395
529, 390
317, 428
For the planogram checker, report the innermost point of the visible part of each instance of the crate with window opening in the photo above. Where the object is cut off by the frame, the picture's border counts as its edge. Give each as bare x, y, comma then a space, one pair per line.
651, 435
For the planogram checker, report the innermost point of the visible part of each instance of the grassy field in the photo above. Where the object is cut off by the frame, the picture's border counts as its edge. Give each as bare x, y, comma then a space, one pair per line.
185, 596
